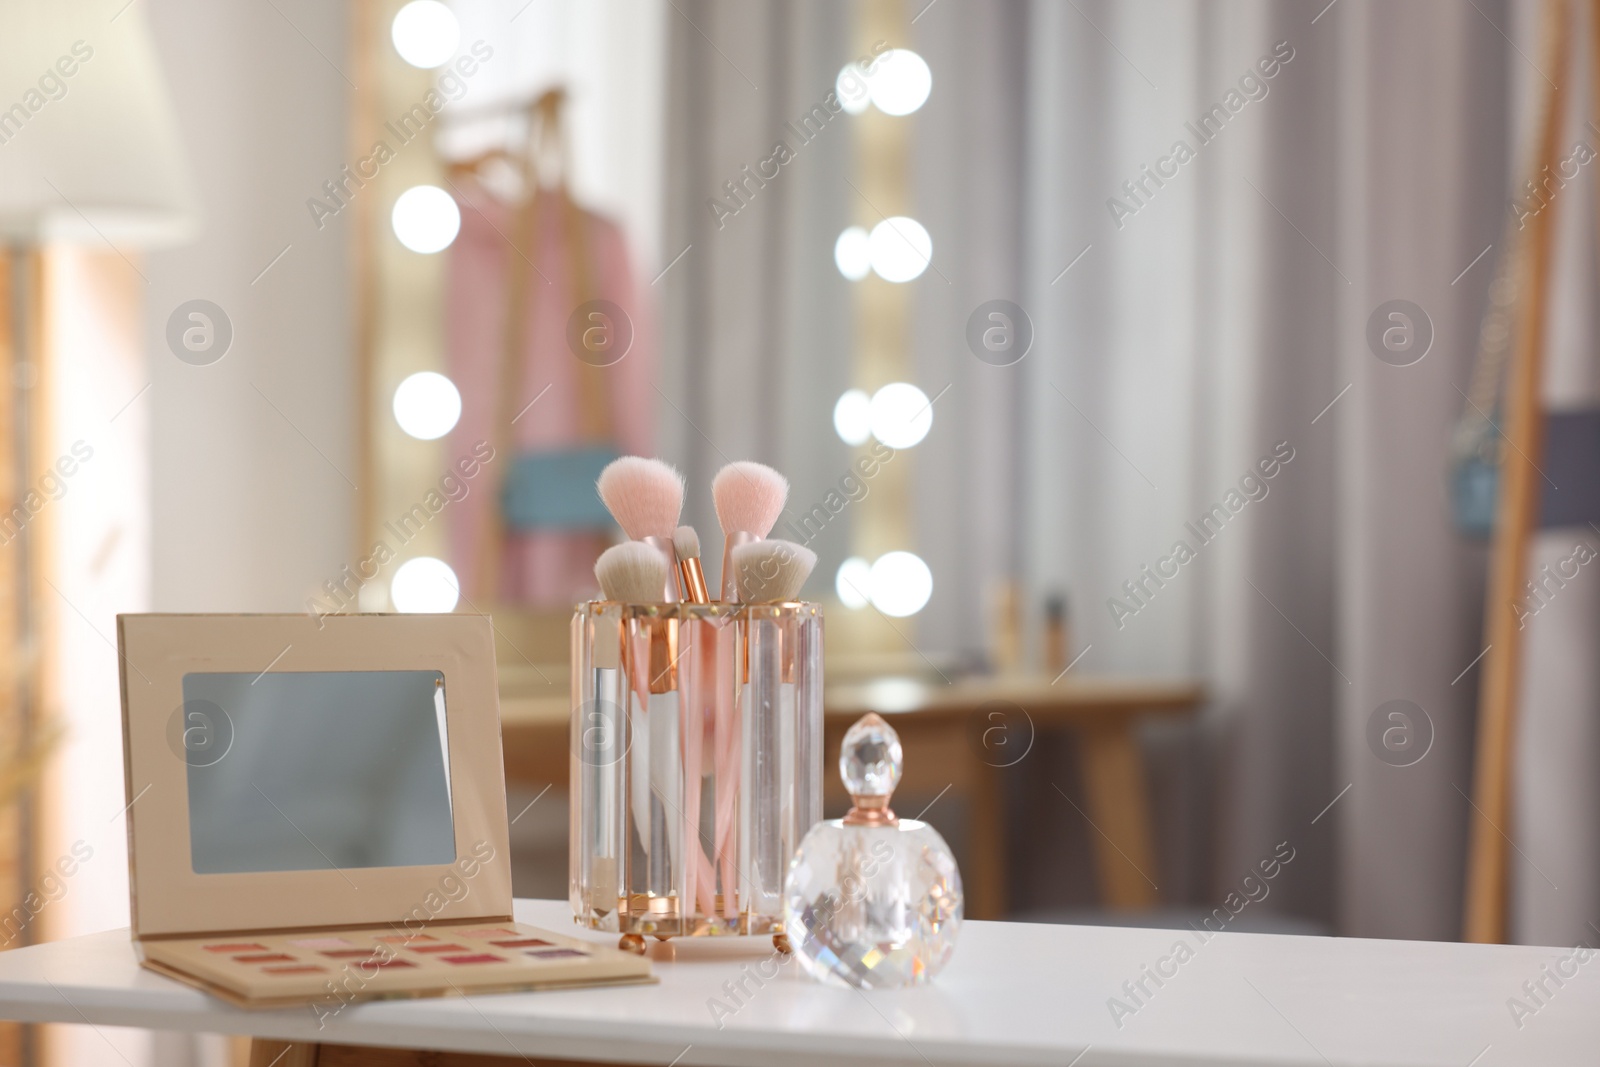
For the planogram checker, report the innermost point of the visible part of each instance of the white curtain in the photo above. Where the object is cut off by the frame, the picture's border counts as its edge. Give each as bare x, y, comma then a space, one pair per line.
1211, 326
1208, 326
755, 319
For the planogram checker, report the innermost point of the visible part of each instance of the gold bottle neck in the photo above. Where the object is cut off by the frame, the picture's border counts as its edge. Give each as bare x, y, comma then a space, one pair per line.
871, 811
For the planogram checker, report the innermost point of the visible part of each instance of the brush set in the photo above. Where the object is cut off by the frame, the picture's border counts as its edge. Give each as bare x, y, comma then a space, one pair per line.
697, 721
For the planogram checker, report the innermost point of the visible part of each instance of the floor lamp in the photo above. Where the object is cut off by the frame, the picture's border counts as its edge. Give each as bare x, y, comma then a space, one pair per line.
89, 155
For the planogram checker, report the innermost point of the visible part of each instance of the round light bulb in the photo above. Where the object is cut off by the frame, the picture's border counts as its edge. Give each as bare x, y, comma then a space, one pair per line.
901, 584
427, 405
900, 249
852, 89
853, 583
901, 82
424, 586
425, 33
426, 219
852, 253
852, 417
900, 415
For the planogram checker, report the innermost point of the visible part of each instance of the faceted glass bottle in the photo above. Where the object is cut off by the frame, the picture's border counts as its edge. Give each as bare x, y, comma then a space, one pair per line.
871, 900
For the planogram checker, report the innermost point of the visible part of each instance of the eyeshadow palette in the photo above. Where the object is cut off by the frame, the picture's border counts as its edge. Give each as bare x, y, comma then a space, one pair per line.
317, 813
274, 970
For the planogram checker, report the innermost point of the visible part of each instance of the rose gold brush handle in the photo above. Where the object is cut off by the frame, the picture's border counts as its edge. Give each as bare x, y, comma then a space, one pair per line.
698, 636
690, 735
707, 670
732, 902
639, 665
663, 654
726, 755
660, 654
692, 581
637, 686
719, 669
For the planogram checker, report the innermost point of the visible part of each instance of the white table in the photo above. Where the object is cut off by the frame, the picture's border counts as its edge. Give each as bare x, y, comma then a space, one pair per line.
1014, 994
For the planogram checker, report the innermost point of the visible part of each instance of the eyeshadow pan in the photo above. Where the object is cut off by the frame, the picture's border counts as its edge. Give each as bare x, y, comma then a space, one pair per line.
386, 963
321, 942
481, 957
237, 947
439, 948
296, 968
270, 957
556, 954
526, 942
350, 953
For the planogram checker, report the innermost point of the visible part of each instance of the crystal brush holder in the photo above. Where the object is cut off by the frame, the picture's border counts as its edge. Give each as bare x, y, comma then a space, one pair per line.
871, 900
696, 764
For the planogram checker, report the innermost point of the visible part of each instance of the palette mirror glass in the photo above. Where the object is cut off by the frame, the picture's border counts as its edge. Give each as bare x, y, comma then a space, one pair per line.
316, 770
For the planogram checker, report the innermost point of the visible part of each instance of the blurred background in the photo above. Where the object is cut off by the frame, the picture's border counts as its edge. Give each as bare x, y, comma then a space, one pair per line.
1193, 406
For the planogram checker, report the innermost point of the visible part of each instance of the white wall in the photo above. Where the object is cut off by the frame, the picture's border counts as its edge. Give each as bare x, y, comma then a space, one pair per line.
251, 455
202, 496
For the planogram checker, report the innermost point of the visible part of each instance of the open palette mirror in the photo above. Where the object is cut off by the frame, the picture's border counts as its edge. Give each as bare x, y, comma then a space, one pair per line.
324, 770
317, 811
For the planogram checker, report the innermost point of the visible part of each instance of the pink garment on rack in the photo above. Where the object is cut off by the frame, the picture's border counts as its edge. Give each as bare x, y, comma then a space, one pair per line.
538, 568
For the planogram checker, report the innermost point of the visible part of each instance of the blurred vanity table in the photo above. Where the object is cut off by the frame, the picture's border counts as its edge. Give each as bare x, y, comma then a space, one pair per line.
1014, 994
960, 735
966, 734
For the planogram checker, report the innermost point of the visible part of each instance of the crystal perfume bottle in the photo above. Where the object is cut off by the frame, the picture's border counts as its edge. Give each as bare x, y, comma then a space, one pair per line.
871, 900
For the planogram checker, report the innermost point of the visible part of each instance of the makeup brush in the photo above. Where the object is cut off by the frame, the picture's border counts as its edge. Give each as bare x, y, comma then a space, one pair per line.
645, 496
634, 572
748, 498
631, 573
770, 572
691, 577
628, 573
727, 735
692, 731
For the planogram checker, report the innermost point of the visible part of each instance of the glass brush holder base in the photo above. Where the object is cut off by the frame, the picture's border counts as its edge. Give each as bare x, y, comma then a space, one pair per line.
696, 752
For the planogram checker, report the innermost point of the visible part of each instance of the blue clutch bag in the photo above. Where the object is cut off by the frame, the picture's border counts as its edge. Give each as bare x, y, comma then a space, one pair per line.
555, 490
1569, 484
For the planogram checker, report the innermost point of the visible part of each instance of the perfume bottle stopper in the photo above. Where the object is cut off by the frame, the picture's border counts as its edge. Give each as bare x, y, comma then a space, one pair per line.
870, 763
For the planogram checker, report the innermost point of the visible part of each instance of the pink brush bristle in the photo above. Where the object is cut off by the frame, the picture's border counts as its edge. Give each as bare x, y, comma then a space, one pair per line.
749, 497
645, 496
